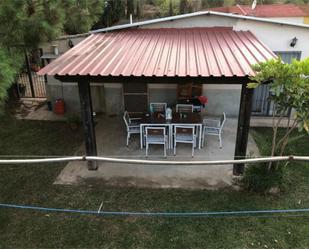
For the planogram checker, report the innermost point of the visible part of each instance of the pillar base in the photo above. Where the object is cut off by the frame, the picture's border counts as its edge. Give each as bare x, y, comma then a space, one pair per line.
92, 165
238, 169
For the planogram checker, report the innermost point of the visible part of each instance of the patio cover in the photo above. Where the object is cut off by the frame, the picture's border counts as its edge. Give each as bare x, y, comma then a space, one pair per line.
218, 55
181, 52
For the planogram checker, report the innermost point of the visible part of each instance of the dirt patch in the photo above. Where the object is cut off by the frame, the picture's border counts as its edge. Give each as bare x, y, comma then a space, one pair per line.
175, 183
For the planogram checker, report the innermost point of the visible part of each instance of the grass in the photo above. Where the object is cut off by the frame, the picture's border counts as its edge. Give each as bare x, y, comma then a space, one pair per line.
32, 185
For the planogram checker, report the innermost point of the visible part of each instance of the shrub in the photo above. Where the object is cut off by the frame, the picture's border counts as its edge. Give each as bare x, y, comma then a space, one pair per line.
74, 121
258, 178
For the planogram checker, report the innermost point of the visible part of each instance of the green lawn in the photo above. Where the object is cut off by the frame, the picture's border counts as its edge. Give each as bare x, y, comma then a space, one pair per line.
32, 185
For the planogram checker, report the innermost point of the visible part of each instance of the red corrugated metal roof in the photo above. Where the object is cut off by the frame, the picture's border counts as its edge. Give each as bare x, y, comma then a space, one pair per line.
267, 10
190, 52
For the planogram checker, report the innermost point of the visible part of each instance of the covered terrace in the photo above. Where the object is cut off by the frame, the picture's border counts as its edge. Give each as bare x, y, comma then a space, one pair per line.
216, 55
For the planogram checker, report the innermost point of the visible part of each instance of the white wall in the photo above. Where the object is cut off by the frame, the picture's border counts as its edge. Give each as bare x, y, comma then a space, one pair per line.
277, 37
68, 91
299, 20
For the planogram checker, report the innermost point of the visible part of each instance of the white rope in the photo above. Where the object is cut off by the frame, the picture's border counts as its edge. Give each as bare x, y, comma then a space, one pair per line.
154, 162
42, 160
203, 162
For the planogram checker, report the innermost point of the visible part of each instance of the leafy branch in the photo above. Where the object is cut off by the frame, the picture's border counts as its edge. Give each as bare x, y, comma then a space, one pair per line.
289, 87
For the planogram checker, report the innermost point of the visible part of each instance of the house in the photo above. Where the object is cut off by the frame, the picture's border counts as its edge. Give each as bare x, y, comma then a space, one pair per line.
277, 35
128, 66
279, 12
305, 8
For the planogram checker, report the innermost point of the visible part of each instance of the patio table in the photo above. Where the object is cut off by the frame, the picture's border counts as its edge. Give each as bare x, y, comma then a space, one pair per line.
156, 119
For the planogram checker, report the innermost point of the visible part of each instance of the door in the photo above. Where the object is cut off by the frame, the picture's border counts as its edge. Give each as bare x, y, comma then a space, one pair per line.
261, 106
135, 97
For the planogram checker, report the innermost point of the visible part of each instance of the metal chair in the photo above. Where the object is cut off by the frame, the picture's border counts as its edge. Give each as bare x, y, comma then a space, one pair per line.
132, 125
157, 107
184, 108
214, 127
184, 134
156, 135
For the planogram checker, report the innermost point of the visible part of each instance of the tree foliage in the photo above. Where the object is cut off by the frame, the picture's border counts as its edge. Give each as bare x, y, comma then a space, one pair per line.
289, 85
26, 23
9, 65
80, 15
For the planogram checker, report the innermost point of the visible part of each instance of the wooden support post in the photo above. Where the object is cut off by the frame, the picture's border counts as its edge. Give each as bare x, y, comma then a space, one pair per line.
243, 127
86, 111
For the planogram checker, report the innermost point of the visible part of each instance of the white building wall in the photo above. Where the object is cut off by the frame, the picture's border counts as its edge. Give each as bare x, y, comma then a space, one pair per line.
299, 20
278, 37
68, 91
222, 98
275, 36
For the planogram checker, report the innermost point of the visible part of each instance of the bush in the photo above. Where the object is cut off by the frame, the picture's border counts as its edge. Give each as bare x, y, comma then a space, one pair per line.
257, 178
74, 121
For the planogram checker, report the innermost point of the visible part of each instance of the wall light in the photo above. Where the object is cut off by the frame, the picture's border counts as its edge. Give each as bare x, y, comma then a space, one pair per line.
293, 42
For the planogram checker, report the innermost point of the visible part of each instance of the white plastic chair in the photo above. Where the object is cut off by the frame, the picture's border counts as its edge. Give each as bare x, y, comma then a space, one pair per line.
214, 127
184, 134
155, 135
132, 125
184, 108
157, 107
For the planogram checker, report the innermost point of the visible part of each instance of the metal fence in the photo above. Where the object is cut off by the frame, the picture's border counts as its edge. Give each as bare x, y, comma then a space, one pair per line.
261, 105
31, 85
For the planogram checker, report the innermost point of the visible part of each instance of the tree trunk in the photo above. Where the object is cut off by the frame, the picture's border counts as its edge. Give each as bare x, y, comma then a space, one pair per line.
130, 8
170, 8
182, 6
275, 131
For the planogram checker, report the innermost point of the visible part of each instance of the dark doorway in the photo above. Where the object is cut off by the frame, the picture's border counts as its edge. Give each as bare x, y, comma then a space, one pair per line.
135, 97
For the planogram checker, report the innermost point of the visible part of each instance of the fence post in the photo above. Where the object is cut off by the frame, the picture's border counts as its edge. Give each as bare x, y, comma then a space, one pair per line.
29, 75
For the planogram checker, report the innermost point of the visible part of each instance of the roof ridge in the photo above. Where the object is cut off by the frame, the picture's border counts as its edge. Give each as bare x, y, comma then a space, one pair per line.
198, 13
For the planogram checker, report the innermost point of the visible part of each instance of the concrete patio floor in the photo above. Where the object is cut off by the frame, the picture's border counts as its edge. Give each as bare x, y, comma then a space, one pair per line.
111, 136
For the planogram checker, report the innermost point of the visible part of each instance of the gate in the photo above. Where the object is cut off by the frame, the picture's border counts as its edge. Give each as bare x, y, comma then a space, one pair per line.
31, 85
261, 106
260, 101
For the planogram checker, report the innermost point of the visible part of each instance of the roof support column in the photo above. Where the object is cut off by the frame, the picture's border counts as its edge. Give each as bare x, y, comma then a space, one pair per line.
243, 127
88, 124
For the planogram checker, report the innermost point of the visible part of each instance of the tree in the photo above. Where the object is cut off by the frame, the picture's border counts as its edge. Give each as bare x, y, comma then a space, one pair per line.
170, 8
229, 2
183, 6
130, 8
212, 3
114, 10
139, 9
80, 15
296, 1
26, 23
289, 84
9, 65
